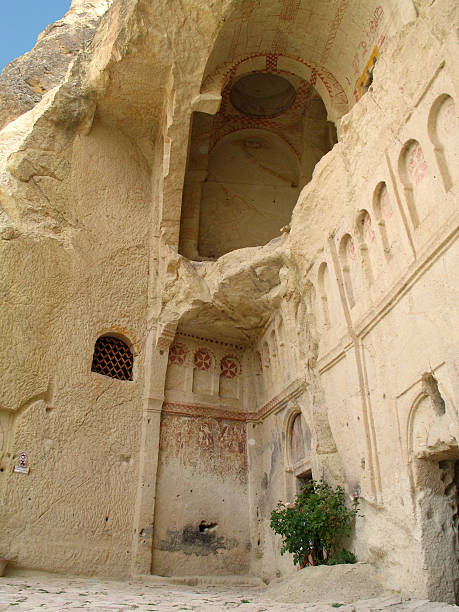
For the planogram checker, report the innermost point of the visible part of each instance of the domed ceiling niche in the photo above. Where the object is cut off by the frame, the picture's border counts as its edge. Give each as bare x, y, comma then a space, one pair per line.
262, 94
248, 163
283, 67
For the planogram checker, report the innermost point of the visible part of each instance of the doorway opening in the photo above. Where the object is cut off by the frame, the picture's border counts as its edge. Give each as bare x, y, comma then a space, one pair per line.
438, 501
302, 479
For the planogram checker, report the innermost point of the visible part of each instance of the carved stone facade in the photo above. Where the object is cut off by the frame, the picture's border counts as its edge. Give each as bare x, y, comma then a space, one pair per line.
259, 199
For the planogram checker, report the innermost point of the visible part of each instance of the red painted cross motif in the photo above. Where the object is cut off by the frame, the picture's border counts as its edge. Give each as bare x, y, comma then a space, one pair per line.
229, 367
202, 360
177, 354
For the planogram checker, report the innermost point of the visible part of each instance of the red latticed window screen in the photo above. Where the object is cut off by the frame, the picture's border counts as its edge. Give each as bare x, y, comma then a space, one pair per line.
112, 357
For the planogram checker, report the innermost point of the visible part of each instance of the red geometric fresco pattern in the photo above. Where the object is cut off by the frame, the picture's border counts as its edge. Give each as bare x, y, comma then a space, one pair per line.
202, 360
177, 354
271, 63
230, 367
289, 10
334, 27
112, 357
328, 80
230, 120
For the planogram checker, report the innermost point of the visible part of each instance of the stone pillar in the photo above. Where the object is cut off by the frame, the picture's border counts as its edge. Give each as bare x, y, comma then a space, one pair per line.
191, 208
142, 543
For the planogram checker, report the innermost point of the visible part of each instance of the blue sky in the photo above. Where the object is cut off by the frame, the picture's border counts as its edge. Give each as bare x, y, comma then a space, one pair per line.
22, 20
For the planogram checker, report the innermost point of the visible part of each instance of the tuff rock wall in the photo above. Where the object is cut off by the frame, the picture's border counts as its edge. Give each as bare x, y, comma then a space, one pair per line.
347, 318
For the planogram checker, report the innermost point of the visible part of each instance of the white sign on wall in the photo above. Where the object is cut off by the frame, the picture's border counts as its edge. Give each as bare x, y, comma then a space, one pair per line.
21, 466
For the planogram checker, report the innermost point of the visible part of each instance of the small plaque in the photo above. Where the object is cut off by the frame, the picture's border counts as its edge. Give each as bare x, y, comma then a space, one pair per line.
21, 470
21, 466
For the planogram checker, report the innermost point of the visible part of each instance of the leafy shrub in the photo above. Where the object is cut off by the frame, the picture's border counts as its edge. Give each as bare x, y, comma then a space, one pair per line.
314, 525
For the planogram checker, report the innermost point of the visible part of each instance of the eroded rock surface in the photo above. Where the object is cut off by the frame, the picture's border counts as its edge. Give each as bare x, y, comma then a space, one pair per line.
137, 203
25, 80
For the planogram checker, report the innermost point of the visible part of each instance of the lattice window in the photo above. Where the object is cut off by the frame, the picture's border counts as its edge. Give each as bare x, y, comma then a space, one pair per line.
112, 357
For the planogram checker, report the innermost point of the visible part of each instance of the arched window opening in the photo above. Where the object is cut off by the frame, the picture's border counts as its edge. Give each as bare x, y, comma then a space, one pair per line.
112, 357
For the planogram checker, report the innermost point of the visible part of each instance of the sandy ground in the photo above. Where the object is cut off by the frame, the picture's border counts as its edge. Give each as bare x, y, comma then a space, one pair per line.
50, 592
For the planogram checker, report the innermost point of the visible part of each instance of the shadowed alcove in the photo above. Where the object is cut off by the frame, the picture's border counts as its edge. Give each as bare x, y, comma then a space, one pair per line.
247, 164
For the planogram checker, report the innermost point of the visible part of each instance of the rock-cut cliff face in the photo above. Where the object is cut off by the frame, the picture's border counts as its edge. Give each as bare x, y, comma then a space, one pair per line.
326, 352
25, 80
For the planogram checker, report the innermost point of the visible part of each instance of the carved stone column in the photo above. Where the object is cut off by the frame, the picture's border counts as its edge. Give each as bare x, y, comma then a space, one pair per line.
191, 208
156, 366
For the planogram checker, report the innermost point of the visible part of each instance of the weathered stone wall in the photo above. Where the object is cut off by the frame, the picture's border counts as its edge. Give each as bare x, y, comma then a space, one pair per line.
82, 272
201, 513
348, 318
384, 304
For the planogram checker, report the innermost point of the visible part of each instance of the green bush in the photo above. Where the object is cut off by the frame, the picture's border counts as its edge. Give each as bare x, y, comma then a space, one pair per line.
315, 524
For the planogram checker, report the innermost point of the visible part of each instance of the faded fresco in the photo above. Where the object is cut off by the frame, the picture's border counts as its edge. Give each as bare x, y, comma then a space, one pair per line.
205, 445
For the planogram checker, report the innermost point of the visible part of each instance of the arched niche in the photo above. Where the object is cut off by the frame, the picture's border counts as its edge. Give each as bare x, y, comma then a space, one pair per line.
203, 371
383, 212
389, 227
230, 370
176, 366
297, 455
434, 459
299, 440
249, 194
442, 127
267, 367
366, 239
274, 347
320, 45
259, 379
282, 340
323, 281
348, 259
329, 44
413, 172
247, 164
